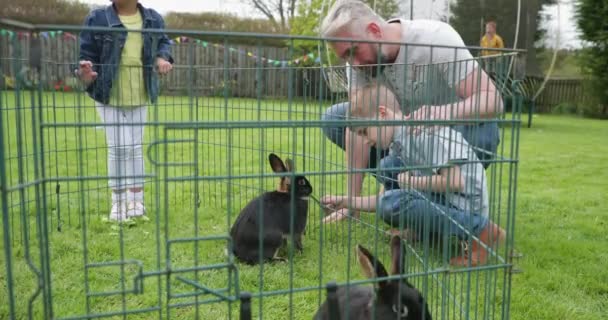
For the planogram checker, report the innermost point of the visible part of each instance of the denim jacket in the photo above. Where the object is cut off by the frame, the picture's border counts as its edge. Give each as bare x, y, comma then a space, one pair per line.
103, 49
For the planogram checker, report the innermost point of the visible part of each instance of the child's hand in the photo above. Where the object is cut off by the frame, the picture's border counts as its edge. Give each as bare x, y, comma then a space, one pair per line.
404, 180
163, 65
336, 216
336, 206
86, 73
334, 202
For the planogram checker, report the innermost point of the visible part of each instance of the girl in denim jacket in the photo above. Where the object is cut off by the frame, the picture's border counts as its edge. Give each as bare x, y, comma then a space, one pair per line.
119, 69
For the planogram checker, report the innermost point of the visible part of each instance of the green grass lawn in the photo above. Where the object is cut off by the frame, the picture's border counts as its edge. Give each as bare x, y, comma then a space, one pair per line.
561, 219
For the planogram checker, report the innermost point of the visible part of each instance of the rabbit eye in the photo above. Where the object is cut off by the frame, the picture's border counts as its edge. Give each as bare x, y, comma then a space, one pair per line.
302, 182
402, 313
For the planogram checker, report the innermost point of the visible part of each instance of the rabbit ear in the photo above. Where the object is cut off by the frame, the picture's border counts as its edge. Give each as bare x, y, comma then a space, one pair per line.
289, 165
276, 163
397, 259
367, 262
397, 263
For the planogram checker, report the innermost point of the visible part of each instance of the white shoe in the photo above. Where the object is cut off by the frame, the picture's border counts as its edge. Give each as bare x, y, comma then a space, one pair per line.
135, 209
118, 212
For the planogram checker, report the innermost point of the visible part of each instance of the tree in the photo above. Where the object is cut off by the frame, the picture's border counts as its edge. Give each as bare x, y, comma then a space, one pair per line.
282, 10
469, 17
591, 19
308, 15
292, 12
385, 8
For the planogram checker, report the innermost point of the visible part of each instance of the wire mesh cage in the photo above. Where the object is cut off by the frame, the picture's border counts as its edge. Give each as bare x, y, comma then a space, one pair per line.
206, 146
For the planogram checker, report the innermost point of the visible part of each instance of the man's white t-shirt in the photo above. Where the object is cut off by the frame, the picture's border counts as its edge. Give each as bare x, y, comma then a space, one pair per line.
432, 60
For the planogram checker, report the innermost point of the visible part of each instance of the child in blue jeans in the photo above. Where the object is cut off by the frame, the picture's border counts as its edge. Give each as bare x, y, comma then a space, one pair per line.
447, 192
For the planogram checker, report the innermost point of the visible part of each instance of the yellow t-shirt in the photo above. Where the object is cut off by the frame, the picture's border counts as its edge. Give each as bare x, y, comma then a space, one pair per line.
495, 42
128, 89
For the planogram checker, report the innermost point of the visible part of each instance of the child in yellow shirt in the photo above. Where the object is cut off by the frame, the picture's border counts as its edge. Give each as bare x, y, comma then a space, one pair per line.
491, 40
119, 71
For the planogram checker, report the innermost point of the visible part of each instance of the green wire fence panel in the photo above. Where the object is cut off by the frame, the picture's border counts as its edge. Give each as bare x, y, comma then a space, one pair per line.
232, 228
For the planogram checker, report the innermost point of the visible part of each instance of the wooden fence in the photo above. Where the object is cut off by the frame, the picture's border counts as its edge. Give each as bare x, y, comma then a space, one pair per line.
198, 69
560, 91
208, 69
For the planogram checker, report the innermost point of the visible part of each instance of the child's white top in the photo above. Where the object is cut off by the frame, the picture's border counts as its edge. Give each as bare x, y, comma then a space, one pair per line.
441, 147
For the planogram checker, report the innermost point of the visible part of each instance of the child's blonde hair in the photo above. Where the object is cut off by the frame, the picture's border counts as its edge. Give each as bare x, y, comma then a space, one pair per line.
364, 101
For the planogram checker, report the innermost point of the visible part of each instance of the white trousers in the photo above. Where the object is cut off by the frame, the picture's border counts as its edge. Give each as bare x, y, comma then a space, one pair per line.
124, 139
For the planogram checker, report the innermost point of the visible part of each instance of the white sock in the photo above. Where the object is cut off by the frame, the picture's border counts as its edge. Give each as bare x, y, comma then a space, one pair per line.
119, 196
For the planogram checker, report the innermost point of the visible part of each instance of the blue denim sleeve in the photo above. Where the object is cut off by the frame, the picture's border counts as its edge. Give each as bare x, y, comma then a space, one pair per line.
89, 50
164, 44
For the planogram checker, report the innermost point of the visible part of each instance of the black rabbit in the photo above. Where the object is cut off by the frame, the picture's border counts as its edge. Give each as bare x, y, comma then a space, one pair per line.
275, 211
392, 299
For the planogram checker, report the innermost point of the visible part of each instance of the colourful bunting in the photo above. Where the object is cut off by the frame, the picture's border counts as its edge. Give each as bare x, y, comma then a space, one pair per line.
44, 34
67, 35
282, 63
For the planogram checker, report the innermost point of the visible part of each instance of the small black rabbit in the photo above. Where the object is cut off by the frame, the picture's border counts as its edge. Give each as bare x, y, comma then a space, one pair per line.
392, 299
275, 212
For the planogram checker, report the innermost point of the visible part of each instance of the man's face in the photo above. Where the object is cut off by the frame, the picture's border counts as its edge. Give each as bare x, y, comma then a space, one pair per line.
360, 53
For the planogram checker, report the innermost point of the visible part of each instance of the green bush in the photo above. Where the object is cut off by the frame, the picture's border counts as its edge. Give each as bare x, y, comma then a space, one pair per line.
566, 108
591, 16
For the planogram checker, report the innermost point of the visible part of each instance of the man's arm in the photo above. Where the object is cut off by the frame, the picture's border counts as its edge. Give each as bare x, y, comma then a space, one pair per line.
478, 94
480, 100
480, 97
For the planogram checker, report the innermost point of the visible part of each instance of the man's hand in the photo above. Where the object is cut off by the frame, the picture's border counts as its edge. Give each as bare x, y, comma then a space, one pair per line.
86, 73
428, 113
163, 66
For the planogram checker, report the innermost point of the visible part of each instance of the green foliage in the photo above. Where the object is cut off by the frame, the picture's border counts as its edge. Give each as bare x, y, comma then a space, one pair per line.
385, 8
223, 88
45, 11
591, 18
567, 63
306, 23
308, 19
278, 12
